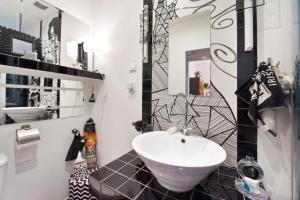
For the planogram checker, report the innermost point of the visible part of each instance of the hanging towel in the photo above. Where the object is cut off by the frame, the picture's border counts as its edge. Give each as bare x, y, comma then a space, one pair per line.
76, 146
90, 145
262, 92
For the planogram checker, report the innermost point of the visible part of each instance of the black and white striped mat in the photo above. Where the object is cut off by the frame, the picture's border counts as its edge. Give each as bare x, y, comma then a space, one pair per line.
79, 188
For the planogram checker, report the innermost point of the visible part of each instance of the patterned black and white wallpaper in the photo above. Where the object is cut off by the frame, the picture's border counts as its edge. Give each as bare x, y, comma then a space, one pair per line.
213, 117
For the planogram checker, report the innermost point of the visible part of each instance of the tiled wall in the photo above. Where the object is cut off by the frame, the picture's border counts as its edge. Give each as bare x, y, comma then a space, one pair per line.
247, 62
128, 178
147, 72
228, 73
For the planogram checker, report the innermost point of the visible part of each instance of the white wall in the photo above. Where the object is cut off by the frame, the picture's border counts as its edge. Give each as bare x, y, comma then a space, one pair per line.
117, 28
48, 180
277, 39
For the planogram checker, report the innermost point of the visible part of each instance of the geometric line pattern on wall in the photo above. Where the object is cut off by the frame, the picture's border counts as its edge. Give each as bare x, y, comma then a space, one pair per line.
160, 78
215, 121
211, 117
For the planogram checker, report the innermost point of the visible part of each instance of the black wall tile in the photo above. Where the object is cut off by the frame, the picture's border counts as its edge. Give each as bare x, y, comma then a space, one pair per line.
147, 109
197, 195
149, 194
228, 171
131, 189
144, 186
226, 181
102, 173
147, 96
115, 180
245, 149
242, 104
115, 165
142, 177
147, 70
247, 134
180, 196
147, 85
127, 158
247, 63
138, 163
128, 170
157, 187
147, 73
8, 60
243, 117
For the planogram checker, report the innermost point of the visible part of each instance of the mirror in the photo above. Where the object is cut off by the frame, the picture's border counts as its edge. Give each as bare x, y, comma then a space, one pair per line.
28, 98
189, 55
36, 30
32, 30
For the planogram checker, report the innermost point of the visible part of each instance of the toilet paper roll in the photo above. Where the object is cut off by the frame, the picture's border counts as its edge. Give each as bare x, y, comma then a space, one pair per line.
31, 145
27, 137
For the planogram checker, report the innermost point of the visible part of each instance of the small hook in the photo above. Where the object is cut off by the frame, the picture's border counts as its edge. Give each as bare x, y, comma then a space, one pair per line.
76, 132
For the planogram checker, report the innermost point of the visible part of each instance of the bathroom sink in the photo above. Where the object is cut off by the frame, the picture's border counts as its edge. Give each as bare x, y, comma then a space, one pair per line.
24, 114
178, 162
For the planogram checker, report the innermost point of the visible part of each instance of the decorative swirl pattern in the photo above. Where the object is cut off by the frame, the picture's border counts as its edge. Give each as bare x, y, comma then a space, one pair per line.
223, 53
219, 22
200, 7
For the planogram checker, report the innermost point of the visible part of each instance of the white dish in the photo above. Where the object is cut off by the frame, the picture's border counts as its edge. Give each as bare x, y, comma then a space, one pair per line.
24, 114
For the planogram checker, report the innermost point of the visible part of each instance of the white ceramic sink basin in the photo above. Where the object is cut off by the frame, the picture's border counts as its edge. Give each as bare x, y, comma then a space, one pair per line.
24, 114
178, 165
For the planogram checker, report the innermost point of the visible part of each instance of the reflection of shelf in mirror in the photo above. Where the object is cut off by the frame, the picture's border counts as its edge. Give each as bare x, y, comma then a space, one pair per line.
40, 87
15, 64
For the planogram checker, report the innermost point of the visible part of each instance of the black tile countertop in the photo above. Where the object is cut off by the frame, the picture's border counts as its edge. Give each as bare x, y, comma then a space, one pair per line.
14, 61
128, 178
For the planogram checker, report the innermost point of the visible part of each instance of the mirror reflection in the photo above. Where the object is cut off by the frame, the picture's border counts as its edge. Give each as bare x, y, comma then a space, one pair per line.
189, 55
198, 70
29, 98
32, 30
36, 30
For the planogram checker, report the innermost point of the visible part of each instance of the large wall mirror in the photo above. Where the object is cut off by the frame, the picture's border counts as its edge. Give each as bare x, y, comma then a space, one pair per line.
37, 30
30, 29
30, 98
189, 54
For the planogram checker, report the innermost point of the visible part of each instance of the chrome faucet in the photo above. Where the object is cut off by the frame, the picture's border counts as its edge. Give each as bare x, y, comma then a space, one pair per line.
185, 129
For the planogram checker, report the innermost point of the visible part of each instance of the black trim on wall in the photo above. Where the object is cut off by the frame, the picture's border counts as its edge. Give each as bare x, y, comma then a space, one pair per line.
246, 64
22, 63
147, 72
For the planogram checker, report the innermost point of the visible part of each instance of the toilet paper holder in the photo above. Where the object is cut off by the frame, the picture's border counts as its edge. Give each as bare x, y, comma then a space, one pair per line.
26, 135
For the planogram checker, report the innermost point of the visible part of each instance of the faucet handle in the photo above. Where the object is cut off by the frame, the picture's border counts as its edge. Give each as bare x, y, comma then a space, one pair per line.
185, 131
